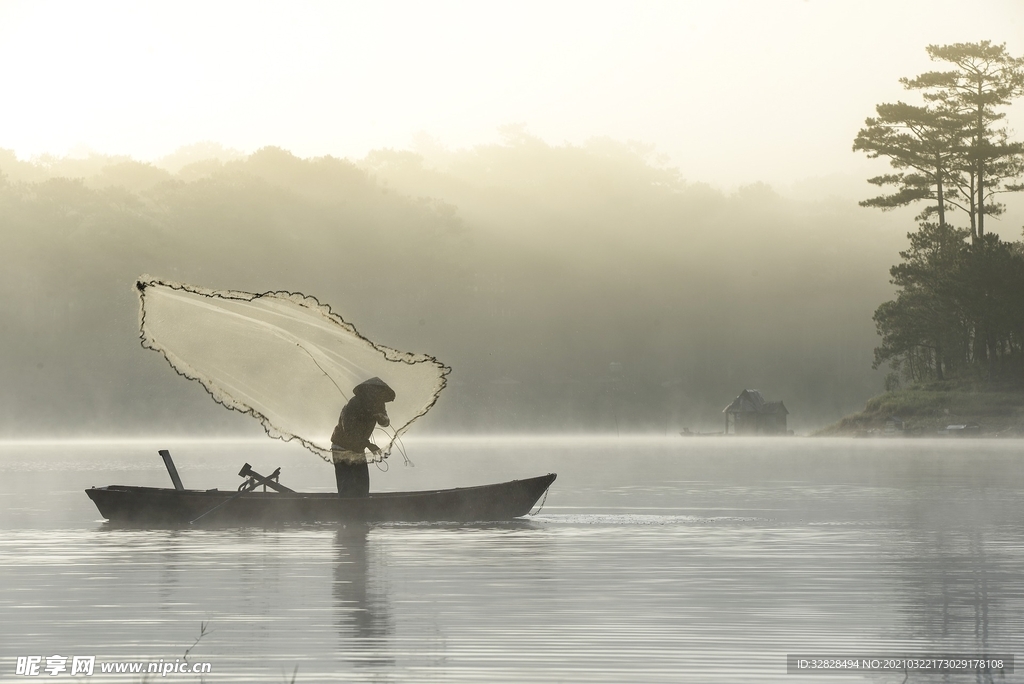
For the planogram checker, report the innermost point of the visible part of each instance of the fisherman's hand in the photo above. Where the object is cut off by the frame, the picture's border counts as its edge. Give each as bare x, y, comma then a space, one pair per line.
375, 449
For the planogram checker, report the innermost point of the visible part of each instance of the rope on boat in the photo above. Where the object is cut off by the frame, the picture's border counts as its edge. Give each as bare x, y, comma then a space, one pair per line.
397, 443
542, 502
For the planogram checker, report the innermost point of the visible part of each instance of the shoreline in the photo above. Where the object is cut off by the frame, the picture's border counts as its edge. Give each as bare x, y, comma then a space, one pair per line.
938, 409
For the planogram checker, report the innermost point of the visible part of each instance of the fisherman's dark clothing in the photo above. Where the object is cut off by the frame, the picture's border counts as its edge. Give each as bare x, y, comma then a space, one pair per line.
351, 437
353, 478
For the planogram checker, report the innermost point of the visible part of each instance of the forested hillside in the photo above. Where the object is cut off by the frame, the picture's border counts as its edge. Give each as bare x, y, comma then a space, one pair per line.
570, 288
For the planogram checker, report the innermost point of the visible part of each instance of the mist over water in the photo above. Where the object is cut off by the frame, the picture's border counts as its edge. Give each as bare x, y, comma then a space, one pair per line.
653, 559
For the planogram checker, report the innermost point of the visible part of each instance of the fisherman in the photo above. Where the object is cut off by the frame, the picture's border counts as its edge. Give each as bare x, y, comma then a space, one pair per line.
361, 415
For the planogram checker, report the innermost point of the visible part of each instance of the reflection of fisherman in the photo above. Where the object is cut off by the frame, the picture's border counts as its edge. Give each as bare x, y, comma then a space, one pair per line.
352, 435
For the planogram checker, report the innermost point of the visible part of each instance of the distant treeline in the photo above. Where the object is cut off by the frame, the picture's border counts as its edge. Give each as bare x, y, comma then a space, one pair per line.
959, 310
570, 288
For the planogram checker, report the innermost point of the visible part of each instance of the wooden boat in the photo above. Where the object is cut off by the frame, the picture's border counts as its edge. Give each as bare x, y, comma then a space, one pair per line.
147, 505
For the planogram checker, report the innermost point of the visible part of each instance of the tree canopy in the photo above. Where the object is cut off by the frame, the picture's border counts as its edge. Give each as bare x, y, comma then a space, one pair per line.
951, 150
959, 307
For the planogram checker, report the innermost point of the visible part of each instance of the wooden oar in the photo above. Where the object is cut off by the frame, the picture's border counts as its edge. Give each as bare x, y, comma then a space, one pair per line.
171, 470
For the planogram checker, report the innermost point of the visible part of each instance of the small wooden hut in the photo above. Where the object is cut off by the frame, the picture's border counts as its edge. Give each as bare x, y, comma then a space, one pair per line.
750, 414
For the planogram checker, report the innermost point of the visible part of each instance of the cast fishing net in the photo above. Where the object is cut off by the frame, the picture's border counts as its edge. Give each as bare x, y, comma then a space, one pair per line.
283, 358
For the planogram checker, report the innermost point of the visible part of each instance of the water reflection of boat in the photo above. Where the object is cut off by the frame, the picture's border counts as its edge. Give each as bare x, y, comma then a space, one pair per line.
504, 501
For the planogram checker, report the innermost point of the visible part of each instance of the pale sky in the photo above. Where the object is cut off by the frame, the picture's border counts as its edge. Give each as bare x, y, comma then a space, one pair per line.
732, 92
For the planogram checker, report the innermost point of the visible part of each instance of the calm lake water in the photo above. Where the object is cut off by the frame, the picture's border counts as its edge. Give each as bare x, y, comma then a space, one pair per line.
653, 560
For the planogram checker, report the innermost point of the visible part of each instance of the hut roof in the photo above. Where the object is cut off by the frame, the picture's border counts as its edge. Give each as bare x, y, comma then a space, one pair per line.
751, 401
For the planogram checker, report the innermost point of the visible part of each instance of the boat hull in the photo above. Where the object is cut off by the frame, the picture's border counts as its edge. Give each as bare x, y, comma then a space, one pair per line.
151, 505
